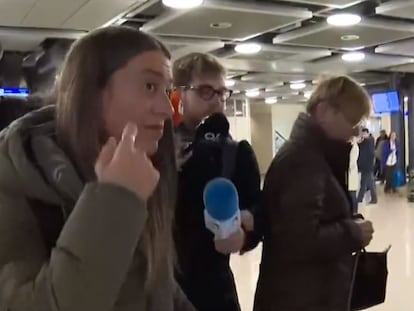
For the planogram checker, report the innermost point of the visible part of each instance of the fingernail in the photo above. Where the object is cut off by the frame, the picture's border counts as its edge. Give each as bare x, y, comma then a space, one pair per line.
130, 130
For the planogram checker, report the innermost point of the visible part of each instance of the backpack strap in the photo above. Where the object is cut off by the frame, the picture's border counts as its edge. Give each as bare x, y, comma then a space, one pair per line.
228, 160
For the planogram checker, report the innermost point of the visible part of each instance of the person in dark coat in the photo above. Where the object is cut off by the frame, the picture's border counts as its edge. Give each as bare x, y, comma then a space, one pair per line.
204, 271
310, 236
389, 163
366, 162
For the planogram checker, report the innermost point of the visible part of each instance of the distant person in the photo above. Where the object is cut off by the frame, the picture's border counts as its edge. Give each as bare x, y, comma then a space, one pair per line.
310, 234
366, 163
379, 148
87, 186
390, 161
204, 270
353, 175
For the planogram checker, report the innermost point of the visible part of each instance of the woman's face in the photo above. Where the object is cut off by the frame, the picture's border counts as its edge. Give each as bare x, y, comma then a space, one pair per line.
393, 136
139, 93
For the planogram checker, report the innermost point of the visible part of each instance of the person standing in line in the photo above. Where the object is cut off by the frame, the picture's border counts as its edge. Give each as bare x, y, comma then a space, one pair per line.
379, 147
366, 161
390, 161
204, 270
310, 234
353, 175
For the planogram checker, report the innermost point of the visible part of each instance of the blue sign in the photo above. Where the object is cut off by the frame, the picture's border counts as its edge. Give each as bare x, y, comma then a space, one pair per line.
14, 92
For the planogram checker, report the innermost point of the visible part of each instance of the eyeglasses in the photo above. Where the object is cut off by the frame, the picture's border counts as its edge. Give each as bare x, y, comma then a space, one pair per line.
207, 92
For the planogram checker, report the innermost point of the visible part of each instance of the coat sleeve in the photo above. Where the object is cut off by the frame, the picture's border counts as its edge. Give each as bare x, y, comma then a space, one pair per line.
89, 263
247, 180
297, 218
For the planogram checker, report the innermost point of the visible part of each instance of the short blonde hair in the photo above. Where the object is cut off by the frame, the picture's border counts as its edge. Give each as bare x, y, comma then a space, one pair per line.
196, 65
343, 94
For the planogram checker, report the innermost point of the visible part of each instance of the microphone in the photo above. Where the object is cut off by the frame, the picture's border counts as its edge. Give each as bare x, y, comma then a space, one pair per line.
213, 128
221, 213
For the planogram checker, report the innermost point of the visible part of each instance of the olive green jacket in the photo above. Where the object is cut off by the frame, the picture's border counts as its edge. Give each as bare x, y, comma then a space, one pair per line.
93, 263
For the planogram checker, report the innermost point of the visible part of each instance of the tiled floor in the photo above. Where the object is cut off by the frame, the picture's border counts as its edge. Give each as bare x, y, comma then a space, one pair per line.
393, 218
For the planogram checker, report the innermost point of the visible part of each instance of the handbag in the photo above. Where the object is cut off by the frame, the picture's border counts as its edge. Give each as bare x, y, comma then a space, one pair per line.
370, 275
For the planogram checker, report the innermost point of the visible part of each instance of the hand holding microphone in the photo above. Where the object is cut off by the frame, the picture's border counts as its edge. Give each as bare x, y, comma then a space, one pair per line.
222, 215
127, 165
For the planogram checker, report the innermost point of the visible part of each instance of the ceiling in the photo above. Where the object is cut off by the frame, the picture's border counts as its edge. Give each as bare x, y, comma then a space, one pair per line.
297, 42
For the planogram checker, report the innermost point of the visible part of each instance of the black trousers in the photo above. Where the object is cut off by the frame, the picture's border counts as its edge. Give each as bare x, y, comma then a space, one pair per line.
389, 178
210, 291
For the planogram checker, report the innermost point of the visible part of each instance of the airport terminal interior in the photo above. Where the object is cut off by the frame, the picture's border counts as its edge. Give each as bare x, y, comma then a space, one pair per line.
274, 52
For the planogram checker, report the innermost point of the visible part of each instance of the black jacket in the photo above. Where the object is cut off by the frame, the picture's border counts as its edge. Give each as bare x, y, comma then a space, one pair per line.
310, 236
204, 274
366, 159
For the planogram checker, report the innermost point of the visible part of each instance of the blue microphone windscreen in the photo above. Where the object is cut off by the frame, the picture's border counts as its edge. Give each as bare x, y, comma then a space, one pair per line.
221, 199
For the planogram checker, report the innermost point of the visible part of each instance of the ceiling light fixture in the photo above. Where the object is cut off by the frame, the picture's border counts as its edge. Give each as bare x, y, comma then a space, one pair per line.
248, 48
230, 83
343, 20
307, 95
182, 4
252, 93
271, 100
353, 56
297, 86
349, 37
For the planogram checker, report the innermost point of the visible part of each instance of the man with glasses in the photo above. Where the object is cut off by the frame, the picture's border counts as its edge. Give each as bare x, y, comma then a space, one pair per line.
203, 263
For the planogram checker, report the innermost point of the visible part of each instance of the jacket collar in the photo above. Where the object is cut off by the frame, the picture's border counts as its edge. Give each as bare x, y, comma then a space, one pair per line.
308, 133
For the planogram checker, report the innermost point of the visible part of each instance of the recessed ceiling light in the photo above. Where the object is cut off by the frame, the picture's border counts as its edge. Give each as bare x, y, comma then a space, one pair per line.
362, 84
182, 4
297, 86
248, 48
343, 19
271, 100
252, 93
355, 48
221, 25
411, 60
307, 95
230, 83
353, 56
349, 37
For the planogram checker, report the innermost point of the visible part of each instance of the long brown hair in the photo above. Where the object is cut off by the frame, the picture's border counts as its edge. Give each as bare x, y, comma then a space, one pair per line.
88, 67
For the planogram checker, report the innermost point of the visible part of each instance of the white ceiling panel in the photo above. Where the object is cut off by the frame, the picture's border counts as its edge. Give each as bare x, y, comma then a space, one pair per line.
403, 68
330, 3
279, 52
51, 13
335, 65
397, 8
96, 13
12, 12
370, 32
277, 77
226, 20
182, 46
405, 48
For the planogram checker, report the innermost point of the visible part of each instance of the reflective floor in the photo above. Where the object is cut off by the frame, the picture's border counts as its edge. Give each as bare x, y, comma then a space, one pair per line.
393, 219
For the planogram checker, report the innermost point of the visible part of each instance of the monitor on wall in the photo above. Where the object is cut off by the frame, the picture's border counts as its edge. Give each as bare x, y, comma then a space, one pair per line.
386, 102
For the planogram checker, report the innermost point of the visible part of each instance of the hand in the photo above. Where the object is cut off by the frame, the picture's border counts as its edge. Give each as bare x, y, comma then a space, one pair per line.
232, 244
367, 230
247, 220
127, 165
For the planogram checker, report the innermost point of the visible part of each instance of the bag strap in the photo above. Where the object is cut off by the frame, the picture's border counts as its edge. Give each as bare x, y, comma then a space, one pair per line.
228, 159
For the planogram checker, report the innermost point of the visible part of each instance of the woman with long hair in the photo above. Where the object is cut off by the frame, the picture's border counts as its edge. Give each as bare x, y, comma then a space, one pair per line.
389, 162
87, 186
